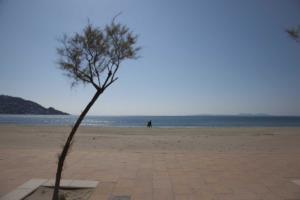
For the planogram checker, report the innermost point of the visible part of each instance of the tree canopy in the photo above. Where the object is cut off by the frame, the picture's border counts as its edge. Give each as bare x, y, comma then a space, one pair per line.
294, 33
94, 56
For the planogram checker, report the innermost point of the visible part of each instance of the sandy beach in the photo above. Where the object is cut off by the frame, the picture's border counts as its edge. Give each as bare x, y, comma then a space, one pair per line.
159, 163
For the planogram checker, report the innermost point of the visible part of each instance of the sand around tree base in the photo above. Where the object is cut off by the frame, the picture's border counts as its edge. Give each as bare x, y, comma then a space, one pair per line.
45, 193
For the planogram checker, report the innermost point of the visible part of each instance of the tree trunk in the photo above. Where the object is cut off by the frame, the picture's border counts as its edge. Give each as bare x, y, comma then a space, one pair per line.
65, 150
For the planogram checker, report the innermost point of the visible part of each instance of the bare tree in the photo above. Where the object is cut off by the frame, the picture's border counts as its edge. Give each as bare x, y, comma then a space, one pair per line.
294, 33
93, 57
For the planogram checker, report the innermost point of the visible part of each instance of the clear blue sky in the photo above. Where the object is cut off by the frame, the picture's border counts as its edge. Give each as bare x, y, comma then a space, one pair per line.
198, 57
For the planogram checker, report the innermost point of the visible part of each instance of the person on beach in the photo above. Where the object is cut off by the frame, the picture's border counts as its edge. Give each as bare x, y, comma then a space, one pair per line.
149, 124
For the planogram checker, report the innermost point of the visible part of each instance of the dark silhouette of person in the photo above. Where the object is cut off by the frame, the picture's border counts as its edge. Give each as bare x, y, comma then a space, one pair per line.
149, 124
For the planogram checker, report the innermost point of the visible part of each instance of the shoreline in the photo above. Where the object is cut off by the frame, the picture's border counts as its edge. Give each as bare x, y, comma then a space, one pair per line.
157, 121
153, 127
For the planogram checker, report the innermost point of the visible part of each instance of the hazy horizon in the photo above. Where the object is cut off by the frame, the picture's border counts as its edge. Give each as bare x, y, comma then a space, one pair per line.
211, 57
163, 115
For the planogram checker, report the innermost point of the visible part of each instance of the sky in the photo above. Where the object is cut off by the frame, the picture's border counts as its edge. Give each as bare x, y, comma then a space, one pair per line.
197, 57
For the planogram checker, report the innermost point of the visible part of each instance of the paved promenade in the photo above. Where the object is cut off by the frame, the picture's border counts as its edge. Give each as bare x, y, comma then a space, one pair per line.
163, 175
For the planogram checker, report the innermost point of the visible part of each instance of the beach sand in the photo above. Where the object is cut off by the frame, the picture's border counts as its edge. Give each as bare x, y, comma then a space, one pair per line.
159, 163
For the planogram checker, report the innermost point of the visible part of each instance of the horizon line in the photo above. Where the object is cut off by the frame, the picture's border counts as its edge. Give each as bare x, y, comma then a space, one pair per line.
189, 115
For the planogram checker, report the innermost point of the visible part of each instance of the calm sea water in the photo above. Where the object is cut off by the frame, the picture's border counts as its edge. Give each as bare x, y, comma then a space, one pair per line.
157, 121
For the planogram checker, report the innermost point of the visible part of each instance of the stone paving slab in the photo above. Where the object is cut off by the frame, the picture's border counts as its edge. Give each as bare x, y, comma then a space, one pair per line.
84, 184
72, 183
63, 183
120, 198
31, 185
18, 194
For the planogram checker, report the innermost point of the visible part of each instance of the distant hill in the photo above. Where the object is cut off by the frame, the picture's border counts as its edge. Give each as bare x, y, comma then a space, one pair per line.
254, 115
16, 105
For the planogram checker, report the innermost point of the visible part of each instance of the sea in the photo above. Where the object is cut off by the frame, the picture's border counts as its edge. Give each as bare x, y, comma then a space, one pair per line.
157, 121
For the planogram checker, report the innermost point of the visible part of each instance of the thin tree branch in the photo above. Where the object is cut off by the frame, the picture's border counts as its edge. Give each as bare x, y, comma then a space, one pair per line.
113, 21
116, 69
107, 78
89, 78
110, 83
